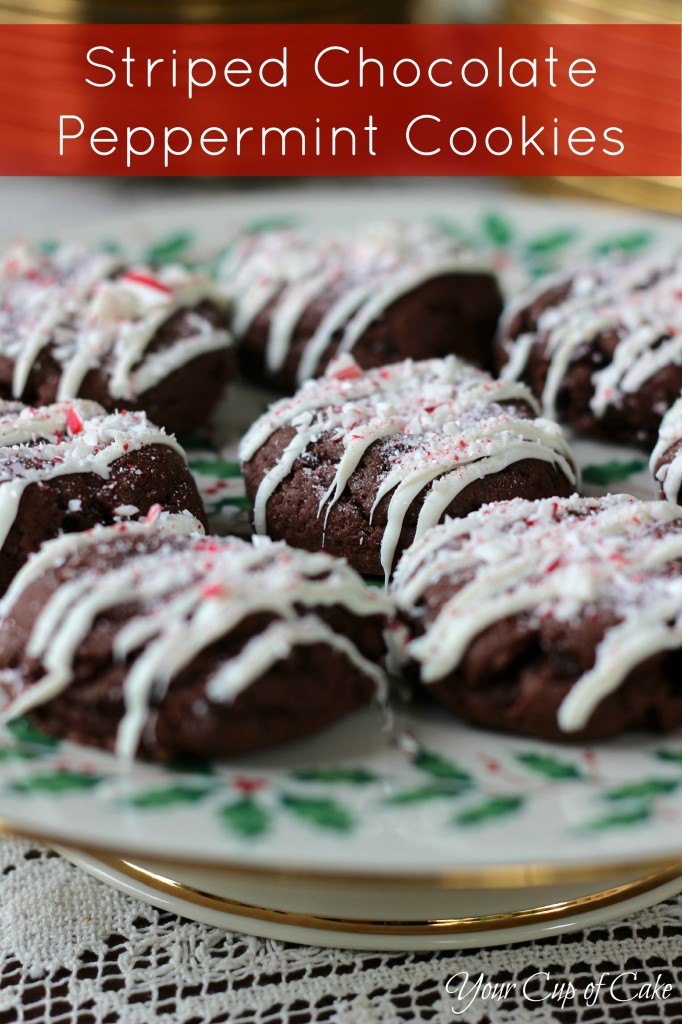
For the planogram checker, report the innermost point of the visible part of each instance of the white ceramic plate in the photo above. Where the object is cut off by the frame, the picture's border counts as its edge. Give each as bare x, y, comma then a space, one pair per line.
425, 800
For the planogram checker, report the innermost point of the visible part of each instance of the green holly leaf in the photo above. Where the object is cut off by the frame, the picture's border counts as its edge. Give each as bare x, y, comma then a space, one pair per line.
675, 756
609, 472
646, 789
323, 813
246, 817
622, 819
26, 732
111, 246
17, 754
625, 243
169, 796
489, 810
551, 242
421, 794
57, 782
549, 767
498, 229
439, 767
216, 467
170, 249
352, 776
275, 223
448, 227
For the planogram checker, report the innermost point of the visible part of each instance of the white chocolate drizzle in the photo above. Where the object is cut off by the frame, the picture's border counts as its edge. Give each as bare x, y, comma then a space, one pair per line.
360, 275
442, 425
639, 301
183, 595
40, 444
90, 311
669, 475
556, 559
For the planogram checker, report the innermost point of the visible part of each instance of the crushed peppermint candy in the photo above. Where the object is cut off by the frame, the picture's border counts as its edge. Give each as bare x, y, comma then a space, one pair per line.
563, 559
441, 424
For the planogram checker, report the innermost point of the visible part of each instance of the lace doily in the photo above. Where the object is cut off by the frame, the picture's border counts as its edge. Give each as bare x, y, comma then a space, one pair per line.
75, 951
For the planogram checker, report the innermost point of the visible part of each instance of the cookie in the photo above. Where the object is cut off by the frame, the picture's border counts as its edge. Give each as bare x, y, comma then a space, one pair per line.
601, 347
560, 619
158, 641
79, 323
666, 459
360, 463
384, 292
67, 466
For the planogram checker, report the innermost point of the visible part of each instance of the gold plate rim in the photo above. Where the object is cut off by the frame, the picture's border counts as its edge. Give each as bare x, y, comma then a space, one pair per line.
437, 926
491, 876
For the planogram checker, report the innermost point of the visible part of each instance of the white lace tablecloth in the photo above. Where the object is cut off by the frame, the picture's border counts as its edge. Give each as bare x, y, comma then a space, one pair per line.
74, 951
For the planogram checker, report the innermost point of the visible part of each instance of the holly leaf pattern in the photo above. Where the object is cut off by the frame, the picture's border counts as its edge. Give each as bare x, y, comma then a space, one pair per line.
26, 732
549, 767
170, 249
60, 781
333, 774
551, 242
324, 813
498, 229
625, 243
439, 767
673, 756
223, 468
168, 796
490, 810
644, 790
421, 794
246, 817
610, 472
621, 819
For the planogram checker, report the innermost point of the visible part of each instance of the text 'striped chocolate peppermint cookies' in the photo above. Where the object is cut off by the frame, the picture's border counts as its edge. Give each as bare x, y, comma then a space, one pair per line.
360, 463
156, 640
556, 618
78, 323
601, 347
383, 292
67, 466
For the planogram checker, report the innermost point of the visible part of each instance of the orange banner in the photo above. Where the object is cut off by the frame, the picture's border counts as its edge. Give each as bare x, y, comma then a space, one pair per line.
340, 99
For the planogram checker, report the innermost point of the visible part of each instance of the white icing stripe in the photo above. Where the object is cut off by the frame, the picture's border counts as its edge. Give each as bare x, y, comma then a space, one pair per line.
363, 272
638, 300
39, 445
669, 476
182, 596
440, 423
556, 559
93, 313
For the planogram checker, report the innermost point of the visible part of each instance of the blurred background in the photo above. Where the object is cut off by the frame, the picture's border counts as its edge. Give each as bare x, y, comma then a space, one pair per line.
644, 192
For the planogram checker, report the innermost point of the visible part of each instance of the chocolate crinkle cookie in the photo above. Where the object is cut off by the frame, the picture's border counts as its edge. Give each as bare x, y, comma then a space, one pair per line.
384, 292
362, 463
79, 323
666, 459
155, 640
67, 466
601, 347
560, 619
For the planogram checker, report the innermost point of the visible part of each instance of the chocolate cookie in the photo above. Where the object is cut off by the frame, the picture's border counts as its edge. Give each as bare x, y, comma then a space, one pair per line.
154, 641
557, 618
385, 293
79, 323
66, 467
360, 463
666, 459
602, 347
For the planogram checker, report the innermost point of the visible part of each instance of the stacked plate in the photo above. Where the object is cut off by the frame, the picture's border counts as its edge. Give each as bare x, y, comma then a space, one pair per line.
660, 193
166, 11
